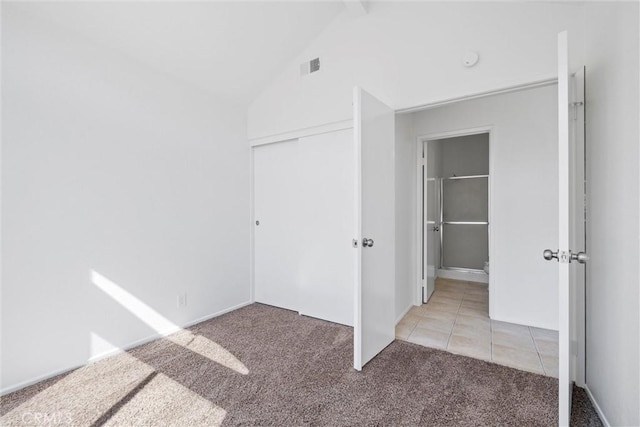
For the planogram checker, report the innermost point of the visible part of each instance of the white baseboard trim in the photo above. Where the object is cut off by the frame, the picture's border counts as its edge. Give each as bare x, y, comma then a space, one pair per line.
597, 407
216, 314
404, 313
463, 275
521, 322
116, 351
27, 383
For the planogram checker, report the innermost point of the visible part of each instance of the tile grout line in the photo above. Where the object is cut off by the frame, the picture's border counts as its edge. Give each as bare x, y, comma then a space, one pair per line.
412, 329
464, 298
416, 326
454, 323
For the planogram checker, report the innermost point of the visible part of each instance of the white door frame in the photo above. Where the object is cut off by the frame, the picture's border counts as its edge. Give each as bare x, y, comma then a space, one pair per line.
422, 161
578, 96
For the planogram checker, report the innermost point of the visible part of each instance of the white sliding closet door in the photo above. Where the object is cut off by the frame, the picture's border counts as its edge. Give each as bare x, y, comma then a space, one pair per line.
304, 203
276, 230
326, 206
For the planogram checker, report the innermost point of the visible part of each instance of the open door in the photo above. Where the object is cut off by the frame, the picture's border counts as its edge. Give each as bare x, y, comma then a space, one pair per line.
431, 229
374, 311
571, 220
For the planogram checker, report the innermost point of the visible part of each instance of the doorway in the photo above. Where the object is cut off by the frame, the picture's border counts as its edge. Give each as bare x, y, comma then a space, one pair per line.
456, 208
515, 321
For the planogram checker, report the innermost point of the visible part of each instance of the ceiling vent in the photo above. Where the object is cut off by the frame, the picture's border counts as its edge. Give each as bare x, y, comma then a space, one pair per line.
314, 65
310, 67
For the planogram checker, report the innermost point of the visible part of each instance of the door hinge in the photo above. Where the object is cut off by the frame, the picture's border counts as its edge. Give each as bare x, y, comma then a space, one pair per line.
575, 106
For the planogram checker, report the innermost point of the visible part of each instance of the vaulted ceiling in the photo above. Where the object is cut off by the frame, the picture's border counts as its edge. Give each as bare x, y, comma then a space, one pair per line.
231, 49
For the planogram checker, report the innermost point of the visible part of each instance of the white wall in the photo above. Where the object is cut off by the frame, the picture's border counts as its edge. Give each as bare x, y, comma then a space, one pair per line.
110, 168
524, 197
409, 54
406, 238
611, 56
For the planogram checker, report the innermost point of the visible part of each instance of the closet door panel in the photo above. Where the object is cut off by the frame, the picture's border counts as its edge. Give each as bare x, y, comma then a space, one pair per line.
276, 253
327, 207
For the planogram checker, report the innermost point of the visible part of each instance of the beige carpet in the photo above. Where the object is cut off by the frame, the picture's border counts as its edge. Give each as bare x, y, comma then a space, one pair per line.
265, 366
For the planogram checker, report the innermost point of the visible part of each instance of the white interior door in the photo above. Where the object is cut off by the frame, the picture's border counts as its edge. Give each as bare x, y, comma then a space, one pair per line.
431, 232
571, 228
276, 228
374, 309
432, 215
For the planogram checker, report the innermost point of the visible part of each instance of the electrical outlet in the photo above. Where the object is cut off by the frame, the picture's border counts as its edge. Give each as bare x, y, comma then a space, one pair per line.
182, 300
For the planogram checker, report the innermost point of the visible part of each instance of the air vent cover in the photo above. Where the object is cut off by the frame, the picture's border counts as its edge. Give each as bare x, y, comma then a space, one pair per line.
310, 66
314, 65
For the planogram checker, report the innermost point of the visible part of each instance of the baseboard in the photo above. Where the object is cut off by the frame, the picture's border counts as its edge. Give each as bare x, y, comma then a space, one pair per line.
163, 334
217, 313
597, 407
38, 379
463, 275
520, 322
404, 313
116, 351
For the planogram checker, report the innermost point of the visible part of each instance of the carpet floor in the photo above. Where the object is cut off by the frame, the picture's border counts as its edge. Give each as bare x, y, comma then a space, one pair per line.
261, 365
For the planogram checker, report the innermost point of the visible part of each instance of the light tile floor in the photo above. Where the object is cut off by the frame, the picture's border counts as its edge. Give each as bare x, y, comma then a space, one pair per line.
456, 319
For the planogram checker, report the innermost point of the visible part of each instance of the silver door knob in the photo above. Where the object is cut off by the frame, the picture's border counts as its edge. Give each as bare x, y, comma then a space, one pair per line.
435, 229
367, 243
581, 257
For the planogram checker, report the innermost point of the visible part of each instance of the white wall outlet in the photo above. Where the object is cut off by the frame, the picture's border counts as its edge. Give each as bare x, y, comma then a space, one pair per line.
182, 300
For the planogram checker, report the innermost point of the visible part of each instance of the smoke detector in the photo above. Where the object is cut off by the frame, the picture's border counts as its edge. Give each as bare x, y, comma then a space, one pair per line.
470, 58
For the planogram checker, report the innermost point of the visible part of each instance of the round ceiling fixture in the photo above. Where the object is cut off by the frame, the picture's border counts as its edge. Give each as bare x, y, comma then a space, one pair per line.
470, 58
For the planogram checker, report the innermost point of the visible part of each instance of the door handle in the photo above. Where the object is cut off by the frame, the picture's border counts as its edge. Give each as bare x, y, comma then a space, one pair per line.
367, 242
581, 257
435, 229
